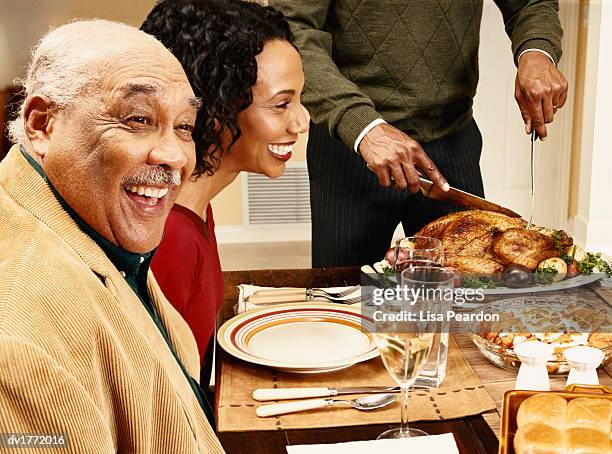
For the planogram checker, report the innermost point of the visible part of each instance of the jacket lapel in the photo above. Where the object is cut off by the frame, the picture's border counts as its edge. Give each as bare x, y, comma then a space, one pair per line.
31, 192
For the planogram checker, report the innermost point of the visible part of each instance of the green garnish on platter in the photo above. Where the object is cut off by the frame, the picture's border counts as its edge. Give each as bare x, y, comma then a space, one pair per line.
562, 253
586, 265
478, 282
592, 261
543, 276
388, 271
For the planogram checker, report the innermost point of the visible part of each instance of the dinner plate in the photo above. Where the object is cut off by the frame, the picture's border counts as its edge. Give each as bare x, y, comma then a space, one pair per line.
576, 281
302, 337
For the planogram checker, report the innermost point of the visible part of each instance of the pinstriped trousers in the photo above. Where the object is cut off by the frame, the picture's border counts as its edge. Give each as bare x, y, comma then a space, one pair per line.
354, 217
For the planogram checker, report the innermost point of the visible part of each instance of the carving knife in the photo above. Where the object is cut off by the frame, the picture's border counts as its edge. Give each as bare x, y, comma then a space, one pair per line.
458, 197
534, 137
462, 198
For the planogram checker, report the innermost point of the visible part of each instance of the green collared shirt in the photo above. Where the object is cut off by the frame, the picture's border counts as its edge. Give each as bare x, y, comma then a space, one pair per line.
134, 268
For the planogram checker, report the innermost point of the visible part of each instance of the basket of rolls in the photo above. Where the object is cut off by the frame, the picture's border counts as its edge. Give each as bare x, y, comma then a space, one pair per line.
575, 421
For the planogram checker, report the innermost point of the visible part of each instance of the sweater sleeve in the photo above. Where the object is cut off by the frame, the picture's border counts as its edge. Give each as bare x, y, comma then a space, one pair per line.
532, 24
39, 396
330, 97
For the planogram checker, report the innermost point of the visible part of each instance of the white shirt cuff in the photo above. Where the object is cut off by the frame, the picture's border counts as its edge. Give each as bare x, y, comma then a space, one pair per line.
537, 50
367, 129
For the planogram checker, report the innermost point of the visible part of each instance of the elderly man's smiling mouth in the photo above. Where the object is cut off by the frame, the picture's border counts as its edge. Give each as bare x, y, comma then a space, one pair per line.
149, 198
148, 188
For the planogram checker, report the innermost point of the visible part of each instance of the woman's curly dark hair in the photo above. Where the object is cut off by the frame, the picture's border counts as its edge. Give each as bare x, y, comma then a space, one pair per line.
216, 41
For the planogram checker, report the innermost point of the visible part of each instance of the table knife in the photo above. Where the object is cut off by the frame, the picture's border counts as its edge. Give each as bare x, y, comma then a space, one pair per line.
277, 299
458, 197
303, 292
263, 395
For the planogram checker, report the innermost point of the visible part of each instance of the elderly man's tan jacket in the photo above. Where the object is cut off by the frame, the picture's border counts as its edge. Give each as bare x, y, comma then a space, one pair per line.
79, 354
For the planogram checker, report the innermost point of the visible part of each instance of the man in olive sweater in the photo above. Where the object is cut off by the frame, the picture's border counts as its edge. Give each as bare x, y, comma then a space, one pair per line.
392, 83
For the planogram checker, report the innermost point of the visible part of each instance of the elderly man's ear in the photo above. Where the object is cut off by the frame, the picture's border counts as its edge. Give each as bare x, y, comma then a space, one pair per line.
39, 118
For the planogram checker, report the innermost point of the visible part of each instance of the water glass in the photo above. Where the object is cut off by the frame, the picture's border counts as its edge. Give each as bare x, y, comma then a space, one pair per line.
417, 251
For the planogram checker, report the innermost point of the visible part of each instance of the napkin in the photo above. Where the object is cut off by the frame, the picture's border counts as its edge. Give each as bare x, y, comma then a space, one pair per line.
246, 290
438, 444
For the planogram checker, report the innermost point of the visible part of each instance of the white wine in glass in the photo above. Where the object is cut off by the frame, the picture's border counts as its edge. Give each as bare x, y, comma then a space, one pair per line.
404, 354
405, 342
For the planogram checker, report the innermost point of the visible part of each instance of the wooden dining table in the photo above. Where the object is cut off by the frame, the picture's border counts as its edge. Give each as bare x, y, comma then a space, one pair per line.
473, 434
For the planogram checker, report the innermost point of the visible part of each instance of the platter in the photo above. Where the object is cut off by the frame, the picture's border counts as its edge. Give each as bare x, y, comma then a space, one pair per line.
576, 281
300, 338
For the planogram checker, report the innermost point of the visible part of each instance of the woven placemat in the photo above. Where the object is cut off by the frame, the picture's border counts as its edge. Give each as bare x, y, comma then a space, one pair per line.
605, 293
461, 394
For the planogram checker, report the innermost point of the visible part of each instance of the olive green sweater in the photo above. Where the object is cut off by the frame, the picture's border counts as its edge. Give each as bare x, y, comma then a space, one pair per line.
413, 63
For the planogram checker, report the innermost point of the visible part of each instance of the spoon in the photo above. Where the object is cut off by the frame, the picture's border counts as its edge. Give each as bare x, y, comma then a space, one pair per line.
362, 403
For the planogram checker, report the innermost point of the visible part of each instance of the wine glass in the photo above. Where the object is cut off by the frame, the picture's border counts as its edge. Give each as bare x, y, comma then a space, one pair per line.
417, 251
405, 342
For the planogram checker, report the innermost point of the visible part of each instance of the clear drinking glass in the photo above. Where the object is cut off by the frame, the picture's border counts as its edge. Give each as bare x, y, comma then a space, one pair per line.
417, 251
441, 282
404, 337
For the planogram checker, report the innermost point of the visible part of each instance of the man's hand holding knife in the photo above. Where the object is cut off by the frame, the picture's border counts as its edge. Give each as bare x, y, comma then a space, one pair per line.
397, 159
540, 89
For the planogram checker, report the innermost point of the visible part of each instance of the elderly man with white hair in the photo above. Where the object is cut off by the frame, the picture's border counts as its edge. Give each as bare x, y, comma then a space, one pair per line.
91, 353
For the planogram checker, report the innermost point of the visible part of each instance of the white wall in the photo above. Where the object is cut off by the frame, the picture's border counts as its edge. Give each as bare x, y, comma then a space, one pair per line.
597, 211
505, 160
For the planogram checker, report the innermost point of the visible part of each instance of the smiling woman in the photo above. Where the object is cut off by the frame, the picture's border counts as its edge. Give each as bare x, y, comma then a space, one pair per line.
240, 60
270, 125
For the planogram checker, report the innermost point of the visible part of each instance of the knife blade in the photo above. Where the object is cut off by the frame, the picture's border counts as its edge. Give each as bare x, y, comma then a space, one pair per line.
462, 198
263, 395
534, 137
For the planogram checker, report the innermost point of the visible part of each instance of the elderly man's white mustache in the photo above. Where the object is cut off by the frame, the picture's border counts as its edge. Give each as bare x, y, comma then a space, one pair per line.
153, 176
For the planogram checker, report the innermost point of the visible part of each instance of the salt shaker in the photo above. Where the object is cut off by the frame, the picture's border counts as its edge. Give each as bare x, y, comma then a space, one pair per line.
533, 374
584, 362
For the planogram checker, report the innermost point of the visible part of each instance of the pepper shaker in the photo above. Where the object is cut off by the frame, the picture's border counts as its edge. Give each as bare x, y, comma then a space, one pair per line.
533, 374
584, 362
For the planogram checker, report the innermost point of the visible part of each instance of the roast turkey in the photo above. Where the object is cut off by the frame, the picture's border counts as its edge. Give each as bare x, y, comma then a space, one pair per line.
483, 242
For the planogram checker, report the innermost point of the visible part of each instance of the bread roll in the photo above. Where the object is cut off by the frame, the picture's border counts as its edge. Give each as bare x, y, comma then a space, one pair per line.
538, 438
590, 413
550, 409
587, 441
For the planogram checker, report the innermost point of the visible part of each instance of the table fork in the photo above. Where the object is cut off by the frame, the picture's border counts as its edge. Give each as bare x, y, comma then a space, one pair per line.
308, 292
300, 298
